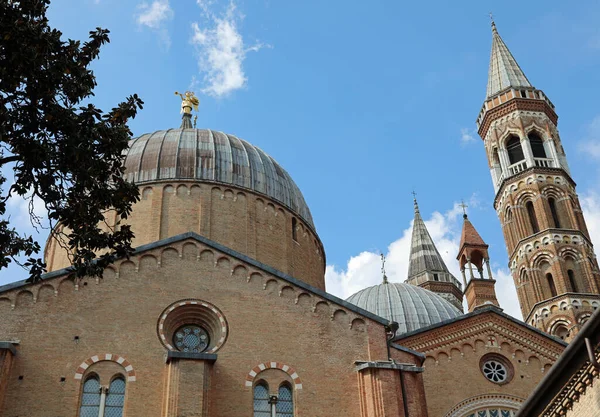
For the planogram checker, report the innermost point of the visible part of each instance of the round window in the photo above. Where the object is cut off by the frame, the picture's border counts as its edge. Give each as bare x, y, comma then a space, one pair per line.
191, 338
495, 371
496, 368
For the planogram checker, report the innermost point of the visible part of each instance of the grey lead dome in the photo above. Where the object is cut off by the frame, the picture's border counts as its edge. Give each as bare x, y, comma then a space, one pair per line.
410, 306
210, 156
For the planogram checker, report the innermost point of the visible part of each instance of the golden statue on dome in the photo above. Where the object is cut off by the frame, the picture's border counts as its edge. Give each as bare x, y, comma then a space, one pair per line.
188, 101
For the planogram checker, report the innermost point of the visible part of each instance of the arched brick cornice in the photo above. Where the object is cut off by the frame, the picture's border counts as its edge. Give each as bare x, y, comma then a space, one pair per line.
485, 401
274, 365
106, 357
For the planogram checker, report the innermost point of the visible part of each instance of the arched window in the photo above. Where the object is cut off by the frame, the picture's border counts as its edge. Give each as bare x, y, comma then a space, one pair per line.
262, 406
115, 398
551, 284
532, 218
99, 401
294, 227
90, 397
561, 331
552, 204
285, 402
515, 151
537, 145
572, 280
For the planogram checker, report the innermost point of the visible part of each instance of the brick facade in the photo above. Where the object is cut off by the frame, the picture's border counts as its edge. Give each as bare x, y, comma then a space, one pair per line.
281, 325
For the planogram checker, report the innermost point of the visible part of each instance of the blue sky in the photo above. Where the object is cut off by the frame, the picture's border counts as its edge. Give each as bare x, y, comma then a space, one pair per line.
361, 102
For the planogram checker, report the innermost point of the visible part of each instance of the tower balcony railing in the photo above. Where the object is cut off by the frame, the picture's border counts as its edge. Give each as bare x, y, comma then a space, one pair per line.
518, 167
543, 162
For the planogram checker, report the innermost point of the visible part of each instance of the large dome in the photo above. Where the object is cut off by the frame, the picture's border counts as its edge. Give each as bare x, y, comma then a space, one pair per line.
410, 306
207, 155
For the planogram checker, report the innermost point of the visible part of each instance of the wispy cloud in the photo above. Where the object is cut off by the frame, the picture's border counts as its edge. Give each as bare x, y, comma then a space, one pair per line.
467, 136
591, 144
221, 49
154, 16
364, 269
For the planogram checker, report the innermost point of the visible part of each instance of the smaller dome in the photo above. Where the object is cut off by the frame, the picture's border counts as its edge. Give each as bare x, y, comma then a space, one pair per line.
410, 306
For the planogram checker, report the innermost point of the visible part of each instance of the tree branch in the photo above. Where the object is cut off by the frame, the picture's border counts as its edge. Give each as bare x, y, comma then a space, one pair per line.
13, 158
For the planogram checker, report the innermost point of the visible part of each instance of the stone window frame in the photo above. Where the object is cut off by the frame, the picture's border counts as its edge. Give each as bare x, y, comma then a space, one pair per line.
197, 312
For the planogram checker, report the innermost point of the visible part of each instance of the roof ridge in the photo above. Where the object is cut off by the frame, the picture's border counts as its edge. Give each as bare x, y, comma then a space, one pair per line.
228, 251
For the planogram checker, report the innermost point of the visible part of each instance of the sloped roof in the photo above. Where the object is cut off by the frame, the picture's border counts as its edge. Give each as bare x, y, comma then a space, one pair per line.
482, 310
469, 235
504, 71
224, 249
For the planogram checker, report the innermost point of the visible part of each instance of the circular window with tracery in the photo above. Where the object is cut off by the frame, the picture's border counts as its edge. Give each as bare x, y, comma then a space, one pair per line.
496, 368
495, 371
192, 326
191, 338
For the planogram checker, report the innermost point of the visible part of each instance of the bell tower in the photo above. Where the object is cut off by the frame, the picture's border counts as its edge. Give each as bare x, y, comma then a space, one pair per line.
550, 252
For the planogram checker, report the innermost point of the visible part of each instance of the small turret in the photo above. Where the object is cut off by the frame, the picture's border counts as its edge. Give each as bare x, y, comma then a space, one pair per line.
473, 252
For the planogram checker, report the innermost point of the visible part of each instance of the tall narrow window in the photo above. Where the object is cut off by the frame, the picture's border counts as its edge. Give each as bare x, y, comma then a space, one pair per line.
262, 408
537, 145
572, 280
552, 204
515, 151
102, 401
551, 284
115, 398
90, 397
532, 218
294, 227
285, 402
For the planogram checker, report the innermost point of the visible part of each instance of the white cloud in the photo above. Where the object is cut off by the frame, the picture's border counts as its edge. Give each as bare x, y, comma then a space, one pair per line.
18, 209
466, 136
221, 50
364, 269
154, 16
591, 144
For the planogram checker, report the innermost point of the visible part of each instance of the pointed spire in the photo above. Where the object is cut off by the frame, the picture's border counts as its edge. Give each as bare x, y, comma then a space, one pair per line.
504, 71
424, 256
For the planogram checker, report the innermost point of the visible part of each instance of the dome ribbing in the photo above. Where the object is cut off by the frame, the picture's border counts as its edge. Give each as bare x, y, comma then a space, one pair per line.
210, 156
410, 306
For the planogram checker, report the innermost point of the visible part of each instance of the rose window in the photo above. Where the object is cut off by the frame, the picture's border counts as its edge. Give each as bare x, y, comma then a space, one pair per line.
191, 338
495, 371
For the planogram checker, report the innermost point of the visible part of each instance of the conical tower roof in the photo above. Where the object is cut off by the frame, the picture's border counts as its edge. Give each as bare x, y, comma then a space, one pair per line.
504, 71
469, 235
424, 256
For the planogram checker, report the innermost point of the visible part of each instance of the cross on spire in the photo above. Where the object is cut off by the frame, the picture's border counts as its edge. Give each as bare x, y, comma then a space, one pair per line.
464, 207
415, 201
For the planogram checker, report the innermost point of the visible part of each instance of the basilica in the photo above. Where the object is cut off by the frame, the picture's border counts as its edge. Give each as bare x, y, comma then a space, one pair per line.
222, 310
